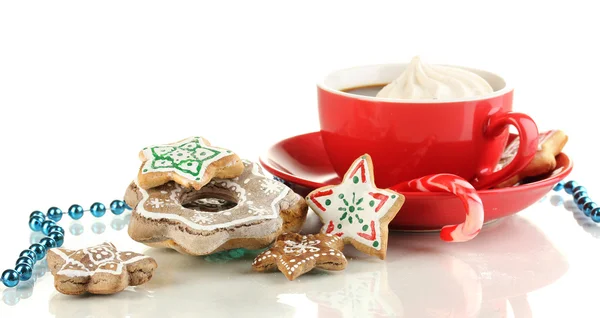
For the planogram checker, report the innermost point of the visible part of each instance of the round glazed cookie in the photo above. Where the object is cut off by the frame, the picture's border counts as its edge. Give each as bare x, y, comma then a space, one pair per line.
248, 211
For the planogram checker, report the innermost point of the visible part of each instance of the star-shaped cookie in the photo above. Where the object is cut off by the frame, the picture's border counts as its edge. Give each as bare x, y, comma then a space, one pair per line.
356, 210
191, 162
99, 269
295, 254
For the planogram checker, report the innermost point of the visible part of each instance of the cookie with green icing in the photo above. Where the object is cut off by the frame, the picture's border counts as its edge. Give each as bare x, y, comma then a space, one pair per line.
191, 162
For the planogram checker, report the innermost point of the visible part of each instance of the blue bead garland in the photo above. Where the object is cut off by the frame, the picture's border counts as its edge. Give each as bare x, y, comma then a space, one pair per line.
581, 198
55, 237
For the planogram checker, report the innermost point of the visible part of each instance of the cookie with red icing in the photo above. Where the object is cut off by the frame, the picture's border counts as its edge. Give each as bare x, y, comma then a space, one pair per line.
356, 210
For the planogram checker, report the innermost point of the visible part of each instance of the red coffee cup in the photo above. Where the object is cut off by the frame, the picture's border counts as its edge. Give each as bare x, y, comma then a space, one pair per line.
408, 139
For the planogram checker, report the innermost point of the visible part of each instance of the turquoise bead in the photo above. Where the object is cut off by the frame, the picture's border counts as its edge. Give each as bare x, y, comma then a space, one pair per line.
54, 214
10, 278
39, 250
46, 225
37, 213
75, 211
35, 223
48, 243
595, 215
582, 201
577, 189
25, 271
58, 237
117, 207
28, 253
25, 260
569, 186
57, 228
579, 194
559, 186
97, 209
588, 207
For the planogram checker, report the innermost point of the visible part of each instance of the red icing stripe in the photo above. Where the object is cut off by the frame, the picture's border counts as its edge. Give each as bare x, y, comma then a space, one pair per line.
382, 199
361, 166
339, 234
367, 236
320, 194
329, 227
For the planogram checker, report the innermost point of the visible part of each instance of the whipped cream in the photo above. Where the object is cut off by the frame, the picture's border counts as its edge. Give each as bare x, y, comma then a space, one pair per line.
422, 81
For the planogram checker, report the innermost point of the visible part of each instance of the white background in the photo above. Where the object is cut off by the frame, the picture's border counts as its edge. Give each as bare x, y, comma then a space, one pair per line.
85, 85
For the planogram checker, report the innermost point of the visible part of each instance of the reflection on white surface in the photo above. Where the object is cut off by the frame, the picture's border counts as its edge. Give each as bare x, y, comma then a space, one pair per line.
422, 277
363, 293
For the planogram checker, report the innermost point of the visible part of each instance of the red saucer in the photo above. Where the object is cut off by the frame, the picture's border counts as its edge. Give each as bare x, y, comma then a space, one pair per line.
302, 162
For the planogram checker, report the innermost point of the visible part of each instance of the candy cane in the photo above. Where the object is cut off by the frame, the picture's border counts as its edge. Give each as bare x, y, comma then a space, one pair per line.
464, 191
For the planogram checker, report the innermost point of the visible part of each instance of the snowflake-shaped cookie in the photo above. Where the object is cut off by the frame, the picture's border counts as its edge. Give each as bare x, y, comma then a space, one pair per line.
356, 210
295, 254
99, 269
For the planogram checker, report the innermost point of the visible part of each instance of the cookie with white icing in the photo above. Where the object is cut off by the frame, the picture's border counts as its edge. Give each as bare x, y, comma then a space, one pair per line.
99, 269
294, 254
550, 144
248, 211
356, 210
191, 162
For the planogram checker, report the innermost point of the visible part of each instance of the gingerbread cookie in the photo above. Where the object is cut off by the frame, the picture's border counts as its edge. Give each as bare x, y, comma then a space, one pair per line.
356, 210
294, 254
98, 270
249, 211
191, 162
550, 144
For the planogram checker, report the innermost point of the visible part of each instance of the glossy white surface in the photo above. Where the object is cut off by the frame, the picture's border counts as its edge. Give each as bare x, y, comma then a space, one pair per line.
517, 267
85, 85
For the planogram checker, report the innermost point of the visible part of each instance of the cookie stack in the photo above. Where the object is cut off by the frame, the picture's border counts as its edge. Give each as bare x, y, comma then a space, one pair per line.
199, 199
